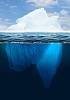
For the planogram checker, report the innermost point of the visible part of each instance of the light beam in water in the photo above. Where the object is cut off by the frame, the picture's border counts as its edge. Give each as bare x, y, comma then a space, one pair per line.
49, 62
46, 57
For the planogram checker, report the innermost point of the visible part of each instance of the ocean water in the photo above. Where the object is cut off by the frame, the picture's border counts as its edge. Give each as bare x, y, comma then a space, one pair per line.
35, 37
35, 68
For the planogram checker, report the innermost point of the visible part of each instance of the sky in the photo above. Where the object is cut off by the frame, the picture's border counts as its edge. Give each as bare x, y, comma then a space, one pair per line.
11, 10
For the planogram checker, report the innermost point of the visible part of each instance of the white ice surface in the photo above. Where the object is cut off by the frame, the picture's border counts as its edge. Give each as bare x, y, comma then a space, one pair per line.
37, 21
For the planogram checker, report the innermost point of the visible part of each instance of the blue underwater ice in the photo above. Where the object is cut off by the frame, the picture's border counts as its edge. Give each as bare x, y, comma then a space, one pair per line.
47, 58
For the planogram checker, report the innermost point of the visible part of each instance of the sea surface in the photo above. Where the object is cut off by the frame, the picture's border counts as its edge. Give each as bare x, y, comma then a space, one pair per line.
35, 37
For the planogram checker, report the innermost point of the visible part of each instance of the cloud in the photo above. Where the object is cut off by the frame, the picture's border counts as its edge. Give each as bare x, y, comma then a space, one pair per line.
4, 23
12, 7
43, 3
65, 22
68, 1
2, 2
2, 27
64, 18
64, 12
4, 20
7, 5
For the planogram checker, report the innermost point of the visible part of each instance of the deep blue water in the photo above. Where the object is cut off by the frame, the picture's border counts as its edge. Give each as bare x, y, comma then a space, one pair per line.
20, 74
35, 70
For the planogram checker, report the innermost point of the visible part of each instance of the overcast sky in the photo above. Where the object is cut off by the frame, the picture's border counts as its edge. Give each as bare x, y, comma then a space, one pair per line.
10, 10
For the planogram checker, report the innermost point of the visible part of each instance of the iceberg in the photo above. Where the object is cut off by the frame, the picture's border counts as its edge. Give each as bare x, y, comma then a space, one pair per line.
37, 21
46, 57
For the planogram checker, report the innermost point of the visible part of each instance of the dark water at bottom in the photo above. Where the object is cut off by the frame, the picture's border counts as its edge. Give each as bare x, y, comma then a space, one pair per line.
28, 83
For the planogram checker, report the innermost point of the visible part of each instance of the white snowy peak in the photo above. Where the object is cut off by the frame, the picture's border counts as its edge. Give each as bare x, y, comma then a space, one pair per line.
37, 21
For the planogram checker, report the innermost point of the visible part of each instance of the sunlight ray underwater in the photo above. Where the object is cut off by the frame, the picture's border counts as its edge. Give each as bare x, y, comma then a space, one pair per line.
47, 58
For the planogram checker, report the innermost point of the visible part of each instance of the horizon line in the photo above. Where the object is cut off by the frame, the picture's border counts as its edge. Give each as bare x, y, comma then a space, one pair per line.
35, 31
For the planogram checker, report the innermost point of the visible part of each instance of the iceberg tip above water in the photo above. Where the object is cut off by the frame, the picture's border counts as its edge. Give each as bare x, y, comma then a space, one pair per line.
37, 21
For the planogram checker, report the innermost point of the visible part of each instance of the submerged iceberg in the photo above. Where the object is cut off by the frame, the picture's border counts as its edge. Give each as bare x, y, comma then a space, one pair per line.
37, 21
46, 57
